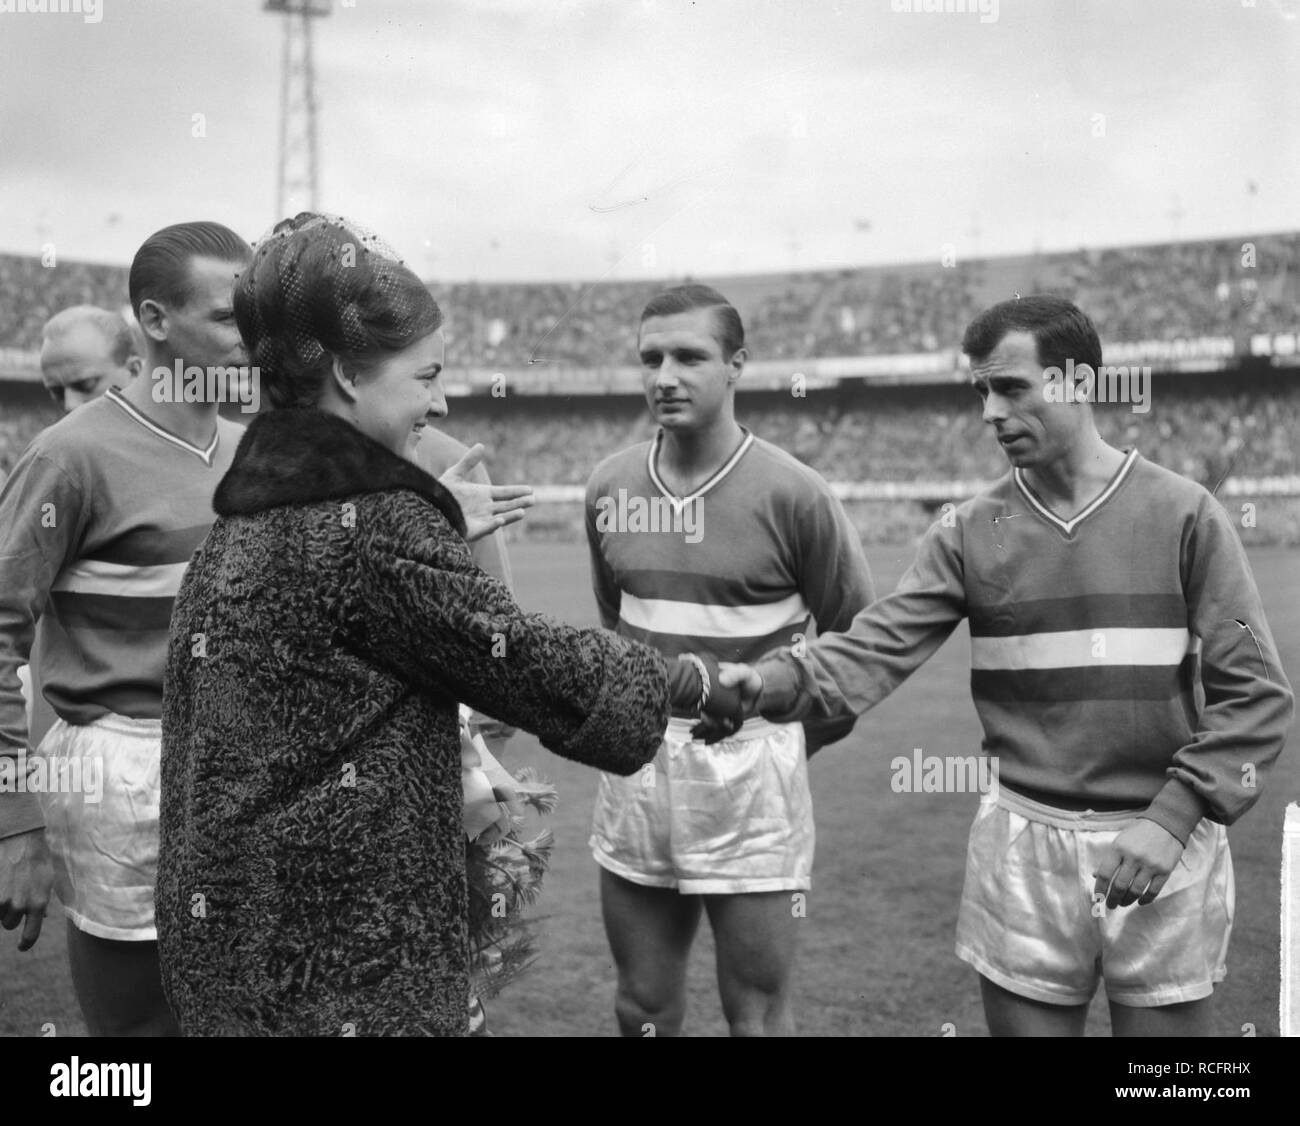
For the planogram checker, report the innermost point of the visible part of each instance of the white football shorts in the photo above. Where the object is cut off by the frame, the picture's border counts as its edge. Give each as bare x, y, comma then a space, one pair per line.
725, 819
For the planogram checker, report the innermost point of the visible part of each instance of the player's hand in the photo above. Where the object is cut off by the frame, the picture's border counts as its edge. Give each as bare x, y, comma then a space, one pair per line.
26, 879
746, 681
485, 507
1136, 865
728, 706
722, 714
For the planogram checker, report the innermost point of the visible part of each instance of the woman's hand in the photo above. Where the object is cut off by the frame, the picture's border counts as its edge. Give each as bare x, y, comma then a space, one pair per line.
720, 709
485, 507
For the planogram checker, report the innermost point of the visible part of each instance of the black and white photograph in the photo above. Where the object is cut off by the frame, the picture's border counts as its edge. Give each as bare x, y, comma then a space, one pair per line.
650, 518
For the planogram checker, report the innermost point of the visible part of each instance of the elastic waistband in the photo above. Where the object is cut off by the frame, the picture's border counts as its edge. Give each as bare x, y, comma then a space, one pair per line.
1086, 819
117, 725
679, 730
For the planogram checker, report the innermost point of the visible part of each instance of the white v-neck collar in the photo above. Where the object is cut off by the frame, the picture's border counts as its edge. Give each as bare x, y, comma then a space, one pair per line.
652, 460
1068, 526
205, 455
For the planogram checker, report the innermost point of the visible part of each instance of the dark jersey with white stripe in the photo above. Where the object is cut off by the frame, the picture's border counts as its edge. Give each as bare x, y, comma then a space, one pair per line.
1121, 656
743, 566
100, 518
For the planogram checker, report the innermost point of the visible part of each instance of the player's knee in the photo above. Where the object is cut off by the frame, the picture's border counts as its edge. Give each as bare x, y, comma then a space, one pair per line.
760, 1014
644, 1010
758, 1006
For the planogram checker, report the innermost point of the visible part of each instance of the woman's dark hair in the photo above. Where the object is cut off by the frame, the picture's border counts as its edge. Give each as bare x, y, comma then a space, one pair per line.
1061, 331
160, 270
727, 329
318, 289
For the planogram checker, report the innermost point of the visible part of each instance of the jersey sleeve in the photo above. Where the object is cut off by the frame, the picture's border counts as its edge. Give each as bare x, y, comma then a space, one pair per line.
843, 674
42, 520
1248, 703
603, 584
836, 583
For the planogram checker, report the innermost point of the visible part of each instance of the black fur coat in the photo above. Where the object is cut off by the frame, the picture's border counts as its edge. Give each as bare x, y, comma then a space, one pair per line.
311, 878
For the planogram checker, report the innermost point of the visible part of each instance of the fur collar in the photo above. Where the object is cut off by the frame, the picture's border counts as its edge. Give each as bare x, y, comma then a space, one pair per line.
304, 456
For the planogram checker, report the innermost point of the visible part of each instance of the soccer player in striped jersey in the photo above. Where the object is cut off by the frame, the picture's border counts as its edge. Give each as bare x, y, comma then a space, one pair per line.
710, 540
1126, 681
97, 525
85, 351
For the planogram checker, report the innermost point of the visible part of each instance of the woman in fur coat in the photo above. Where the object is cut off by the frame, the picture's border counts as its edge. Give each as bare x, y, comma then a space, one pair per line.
312, 863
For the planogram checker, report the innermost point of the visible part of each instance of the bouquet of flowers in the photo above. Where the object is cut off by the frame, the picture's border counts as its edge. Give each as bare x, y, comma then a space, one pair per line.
504, 869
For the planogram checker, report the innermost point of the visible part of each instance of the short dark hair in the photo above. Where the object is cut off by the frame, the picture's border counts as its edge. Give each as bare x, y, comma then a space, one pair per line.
316, 291
1061, 331
160, 270
729, 331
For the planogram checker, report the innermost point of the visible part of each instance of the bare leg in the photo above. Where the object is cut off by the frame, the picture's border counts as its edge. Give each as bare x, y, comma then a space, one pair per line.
119, 986
650, 932
1009, 1014
1191, 1018
756, 937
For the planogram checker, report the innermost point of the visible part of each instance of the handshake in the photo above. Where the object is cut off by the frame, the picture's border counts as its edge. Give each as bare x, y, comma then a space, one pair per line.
724, 695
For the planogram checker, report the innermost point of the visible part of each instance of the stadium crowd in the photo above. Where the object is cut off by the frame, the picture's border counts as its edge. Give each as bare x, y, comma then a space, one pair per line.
1229, 287
863, 436
870, 436
1137, 293
1223, 287
31, 293
1161, 292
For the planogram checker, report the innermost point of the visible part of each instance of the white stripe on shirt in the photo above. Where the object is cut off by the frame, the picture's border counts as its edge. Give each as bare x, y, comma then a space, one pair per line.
1080, 648
697, 619
92, 576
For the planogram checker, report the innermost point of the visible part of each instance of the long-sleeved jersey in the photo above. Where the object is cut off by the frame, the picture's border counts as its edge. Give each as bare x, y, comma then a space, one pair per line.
1120, 656
97, 523
743, 565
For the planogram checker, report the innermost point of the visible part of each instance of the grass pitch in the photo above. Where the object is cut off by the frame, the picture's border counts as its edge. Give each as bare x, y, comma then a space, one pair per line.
876, 955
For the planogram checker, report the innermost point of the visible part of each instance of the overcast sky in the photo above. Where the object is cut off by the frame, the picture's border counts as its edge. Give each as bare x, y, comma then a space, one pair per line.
534, 139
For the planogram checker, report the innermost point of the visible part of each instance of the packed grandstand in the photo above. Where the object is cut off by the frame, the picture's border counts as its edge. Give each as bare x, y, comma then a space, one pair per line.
855, 371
